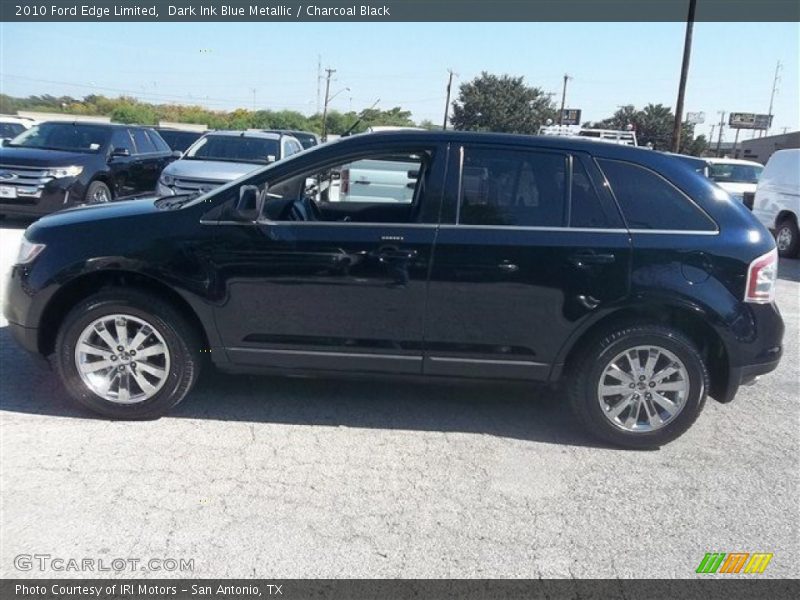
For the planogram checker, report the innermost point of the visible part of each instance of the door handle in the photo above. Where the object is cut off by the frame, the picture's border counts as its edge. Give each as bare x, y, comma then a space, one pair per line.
583, 259
508, 267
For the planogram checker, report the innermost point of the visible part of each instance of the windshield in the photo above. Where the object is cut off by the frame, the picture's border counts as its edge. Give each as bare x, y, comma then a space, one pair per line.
73, 137
234, 148
734, 173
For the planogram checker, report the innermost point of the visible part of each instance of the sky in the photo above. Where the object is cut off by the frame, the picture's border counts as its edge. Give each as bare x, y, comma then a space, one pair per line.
275, 65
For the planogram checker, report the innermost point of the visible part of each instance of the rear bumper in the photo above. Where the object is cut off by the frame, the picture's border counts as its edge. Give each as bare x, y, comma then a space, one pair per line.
739, 376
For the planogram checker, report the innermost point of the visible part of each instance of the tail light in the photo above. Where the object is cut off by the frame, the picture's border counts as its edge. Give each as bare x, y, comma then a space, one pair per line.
345, 182
761, 277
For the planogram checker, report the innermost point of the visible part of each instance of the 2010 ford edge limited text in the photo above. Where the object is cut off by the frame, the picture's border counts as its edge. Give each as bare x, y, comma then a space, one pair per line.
620, 273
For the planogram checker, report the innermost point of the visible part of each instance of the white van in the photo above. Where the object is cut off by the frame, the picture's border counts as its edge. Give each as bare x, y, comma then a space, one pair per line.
777, 201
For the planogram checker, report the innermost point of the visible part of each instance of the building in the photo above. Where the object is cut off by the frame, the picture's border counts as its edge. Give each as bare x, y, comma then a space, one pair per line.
760, 149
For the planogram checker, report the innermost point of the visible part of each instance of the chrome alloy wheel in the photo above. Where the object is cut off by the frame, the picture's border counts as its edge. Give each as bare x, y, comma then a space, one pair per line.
643, 388
100, 195
784, 238
122, 359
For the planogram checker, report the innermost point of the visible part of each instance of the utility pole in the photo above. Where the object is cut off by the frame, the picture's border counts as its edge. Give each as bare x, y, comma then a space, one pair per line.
711, 137
775, 81
687, 52
319, 78
563, 99
447, 101
325, 106
719, 134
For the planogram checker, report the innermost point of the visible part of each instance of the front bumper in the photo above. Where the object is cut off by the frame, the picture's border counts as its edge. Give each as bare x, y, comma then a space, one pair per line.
27, 337
55, 196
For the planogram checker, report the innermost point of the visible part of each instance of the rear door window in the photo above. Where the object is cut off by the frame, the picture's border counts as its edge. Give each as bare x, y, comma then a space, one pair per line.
648, 201
589, 209
143, 143
158, 142
505, 187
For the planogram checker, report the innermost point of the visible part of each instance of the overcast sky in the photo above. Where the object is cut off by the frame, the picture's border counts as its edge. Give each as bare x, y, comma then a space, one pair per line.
218, 65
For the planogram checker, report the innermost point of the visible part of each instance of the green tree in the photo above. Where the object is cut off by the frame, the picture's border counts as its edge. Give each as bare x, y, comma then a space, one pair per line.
502, 104
653, 125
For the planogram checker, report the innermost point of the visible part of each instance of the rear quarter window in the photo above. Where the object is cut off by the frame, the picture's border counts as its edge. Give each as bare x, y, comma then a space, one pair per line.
648, 201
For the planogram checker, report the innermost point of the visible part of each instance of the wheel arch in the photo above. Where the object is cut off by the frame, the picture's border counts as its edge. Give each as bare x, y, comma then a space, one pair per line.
785, 214
86, 285
688, 320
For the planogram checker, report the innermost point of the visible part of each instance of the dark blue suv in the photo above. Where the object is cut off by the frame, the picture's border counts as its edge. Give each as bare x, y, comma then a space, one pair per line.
621, 274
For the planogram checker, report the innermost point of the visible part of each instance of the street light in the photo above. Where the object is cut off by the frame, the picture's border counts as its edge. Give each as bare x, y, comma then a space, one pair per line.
328, 99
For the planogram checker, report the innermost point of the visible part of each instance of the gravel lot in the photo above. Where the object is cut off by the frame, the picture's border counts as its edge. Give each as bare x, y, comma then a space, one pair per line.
264, 477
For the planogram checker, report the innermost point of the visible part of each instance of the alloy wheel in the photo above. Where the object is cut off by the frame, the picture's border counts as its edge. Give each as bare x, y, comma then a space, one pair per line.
122, 358
784, 238
643, 389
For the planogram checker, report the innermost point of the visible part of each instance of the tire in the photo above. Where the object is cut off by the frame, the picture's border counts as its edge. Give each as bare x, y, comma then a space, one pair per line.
787, 238
170, 375
595, 412
98, 193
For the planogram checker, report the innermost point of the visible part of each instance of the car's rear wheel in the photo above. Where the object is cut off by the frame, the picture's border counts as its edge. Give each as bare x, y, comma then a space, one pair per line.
787, 238
98, 193
640, 386
127, 355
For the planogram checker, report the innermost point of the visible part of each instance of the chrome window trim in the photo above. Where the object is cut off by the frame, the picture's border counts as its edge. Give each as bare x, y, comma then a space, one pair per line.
319, 223
454, 226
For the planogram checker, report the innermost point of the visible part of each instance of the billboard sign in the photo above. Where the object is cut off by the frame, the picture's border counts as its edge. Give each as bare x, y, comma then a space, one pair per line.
696, 118
571, 116
749, 121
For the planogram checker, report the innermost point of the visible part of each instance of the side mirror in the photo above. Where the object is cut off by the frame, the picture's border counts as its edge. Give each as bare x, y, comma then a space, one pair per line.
3, 141
250, 204
120, 152
176, 154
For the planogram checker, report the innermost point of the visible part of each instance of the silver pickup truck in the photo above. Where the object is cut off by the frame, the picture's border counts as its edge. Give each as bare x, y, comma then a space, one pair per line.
377, 181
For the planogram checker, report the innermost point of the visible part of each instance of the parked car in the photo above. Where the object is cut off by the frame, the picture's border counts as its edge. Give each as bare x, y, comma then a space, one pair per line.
777, 200
737, 177
56, 165
619, 273
221, 156
377, 181
306, 138
178, 140
11, 126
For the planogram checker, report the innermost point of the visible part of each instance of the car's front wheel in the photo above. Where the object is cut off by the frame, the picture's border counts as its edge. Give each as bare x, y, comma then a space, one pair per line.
127, 355
98, 193
640, 386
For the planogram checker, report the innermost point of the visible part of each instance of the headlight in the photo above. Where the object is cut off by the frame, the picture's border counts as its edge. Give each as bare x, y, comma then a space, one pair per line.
28, 251
60, 172
167, 179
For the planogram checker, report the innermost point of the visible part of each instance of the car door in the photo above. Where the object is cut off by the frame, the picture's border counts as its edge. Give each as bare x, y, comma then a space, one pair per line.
122, 163
148, 163
343, 292
530, 246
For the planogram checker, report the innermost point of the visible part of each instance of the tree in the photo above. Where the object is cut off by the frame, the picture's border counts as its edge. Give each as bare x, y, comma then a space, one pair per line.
653, 125
501, 104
